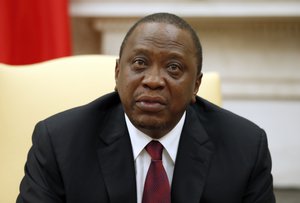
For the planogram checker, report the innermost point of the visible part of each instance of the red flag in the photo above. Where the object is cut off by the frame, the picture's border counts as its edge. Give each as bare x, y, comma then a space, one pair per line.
33, 30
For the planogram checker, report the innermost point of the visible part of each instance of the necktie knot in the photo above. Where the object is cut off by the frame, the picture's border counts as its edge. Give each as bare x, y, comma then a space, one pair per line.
154, 149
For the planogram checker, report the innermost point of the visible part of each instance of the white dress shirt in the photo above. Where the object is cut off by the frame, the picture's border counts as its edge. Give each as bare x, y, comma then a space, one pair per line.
142, 159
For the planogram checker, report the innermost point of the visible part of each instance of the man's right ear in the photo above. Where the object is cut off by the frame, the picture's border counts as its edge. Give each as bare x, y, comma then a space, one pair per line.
117, 70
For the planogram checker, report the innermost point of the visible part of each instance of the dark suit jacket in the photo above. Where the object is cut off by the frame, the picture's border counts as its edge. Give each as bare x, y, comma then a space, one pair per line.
84, 155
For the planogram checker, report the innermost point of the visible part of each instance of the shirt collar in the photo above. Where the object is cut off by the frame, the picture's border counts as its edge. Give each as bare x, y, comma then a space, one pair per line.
170, 141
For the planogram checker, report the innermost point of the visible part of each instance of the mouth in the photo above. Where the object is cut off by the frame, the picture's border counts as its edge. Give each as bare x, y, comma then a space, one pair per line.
151, 103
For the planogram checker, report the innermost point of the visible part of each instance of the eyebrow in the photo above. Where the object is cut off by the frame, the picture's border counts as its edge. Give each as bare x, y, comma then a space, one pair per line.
141, 50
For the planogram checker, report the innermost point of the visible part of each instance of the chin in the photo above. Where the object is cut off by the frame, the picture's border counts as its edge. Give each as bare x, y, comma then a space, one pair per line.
152, 125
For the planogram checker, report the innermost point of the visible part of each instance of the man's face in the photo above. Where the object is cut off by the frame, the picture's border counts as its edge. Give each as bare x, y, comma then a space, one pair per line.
156, 77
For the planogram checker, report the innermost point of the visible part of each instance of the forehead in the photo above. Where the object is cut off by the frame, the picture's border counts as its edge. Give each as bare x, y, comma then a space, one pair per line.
161, 35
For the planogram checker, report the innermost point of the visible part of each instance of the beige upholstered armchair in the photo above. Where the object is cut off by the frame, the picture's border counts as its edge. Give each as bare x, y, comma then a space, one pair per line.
30, 93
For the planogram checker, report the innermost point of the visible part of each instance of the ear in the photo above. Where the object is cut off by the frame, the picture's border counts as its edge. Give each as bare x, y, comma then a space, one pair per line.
196, 87
117, 70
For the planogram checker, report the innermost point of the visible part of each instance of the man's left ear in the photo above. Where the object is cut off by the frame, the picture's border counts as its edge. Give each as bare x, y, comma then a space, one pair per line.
117, 69
196, 88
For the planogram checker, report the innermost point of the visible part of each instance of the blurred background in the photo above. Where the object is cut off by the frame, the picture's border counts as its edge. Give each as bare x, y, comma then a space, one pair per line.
253, 44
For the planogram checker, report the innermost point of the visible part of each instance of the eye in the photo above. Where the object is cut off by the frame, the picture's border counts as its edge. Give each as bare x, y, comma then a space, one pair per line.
174, 69
139, 63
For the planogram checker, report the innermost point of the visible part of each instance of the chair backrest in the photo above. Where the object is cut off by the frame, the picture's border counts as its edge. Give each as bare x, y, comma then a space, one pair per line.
30, 93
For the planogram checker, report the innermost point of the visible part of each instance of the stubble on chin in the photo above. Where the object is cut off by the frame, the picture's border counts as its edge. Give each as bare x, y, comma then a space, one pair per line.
153, 125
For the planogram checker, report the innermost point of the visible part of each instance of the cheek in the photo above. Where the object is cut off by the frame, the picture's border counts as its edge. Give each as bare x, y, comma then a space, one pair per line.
182, 94
127, 85
183, 88
123, 79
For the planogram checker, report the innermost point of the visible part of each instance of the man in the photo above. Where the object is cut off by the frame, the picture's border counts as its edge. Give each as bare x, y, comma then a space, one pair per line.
104, 151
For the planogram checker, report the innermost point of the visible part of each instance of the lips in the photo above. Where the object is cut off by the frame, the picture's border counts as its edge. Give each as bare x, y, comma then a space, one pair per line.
151, 103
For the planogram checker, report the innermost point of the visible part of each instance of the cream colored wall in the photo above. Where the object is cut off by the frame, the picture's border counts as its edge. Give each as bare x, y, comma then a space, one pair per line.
86, 40
257, 58
257, 54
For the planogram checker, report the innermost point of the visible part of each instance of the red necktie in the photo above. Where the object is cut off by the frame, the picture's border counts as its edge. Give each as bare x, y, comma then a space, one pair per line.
157, 187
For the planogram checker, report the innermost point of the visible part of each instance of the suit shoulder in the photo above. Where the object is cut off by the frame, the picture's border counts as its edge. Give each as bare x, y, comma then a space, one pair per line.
216, 118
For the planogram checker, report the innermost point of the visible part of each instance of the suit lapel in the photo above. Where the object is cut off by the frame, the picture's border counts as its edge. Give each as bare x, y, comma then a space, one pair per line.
193, 160
116, 159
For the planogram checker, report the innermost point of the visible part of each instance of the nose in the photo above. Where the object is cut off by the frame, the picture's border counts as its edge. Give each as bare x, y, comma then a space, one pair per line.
153, 79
